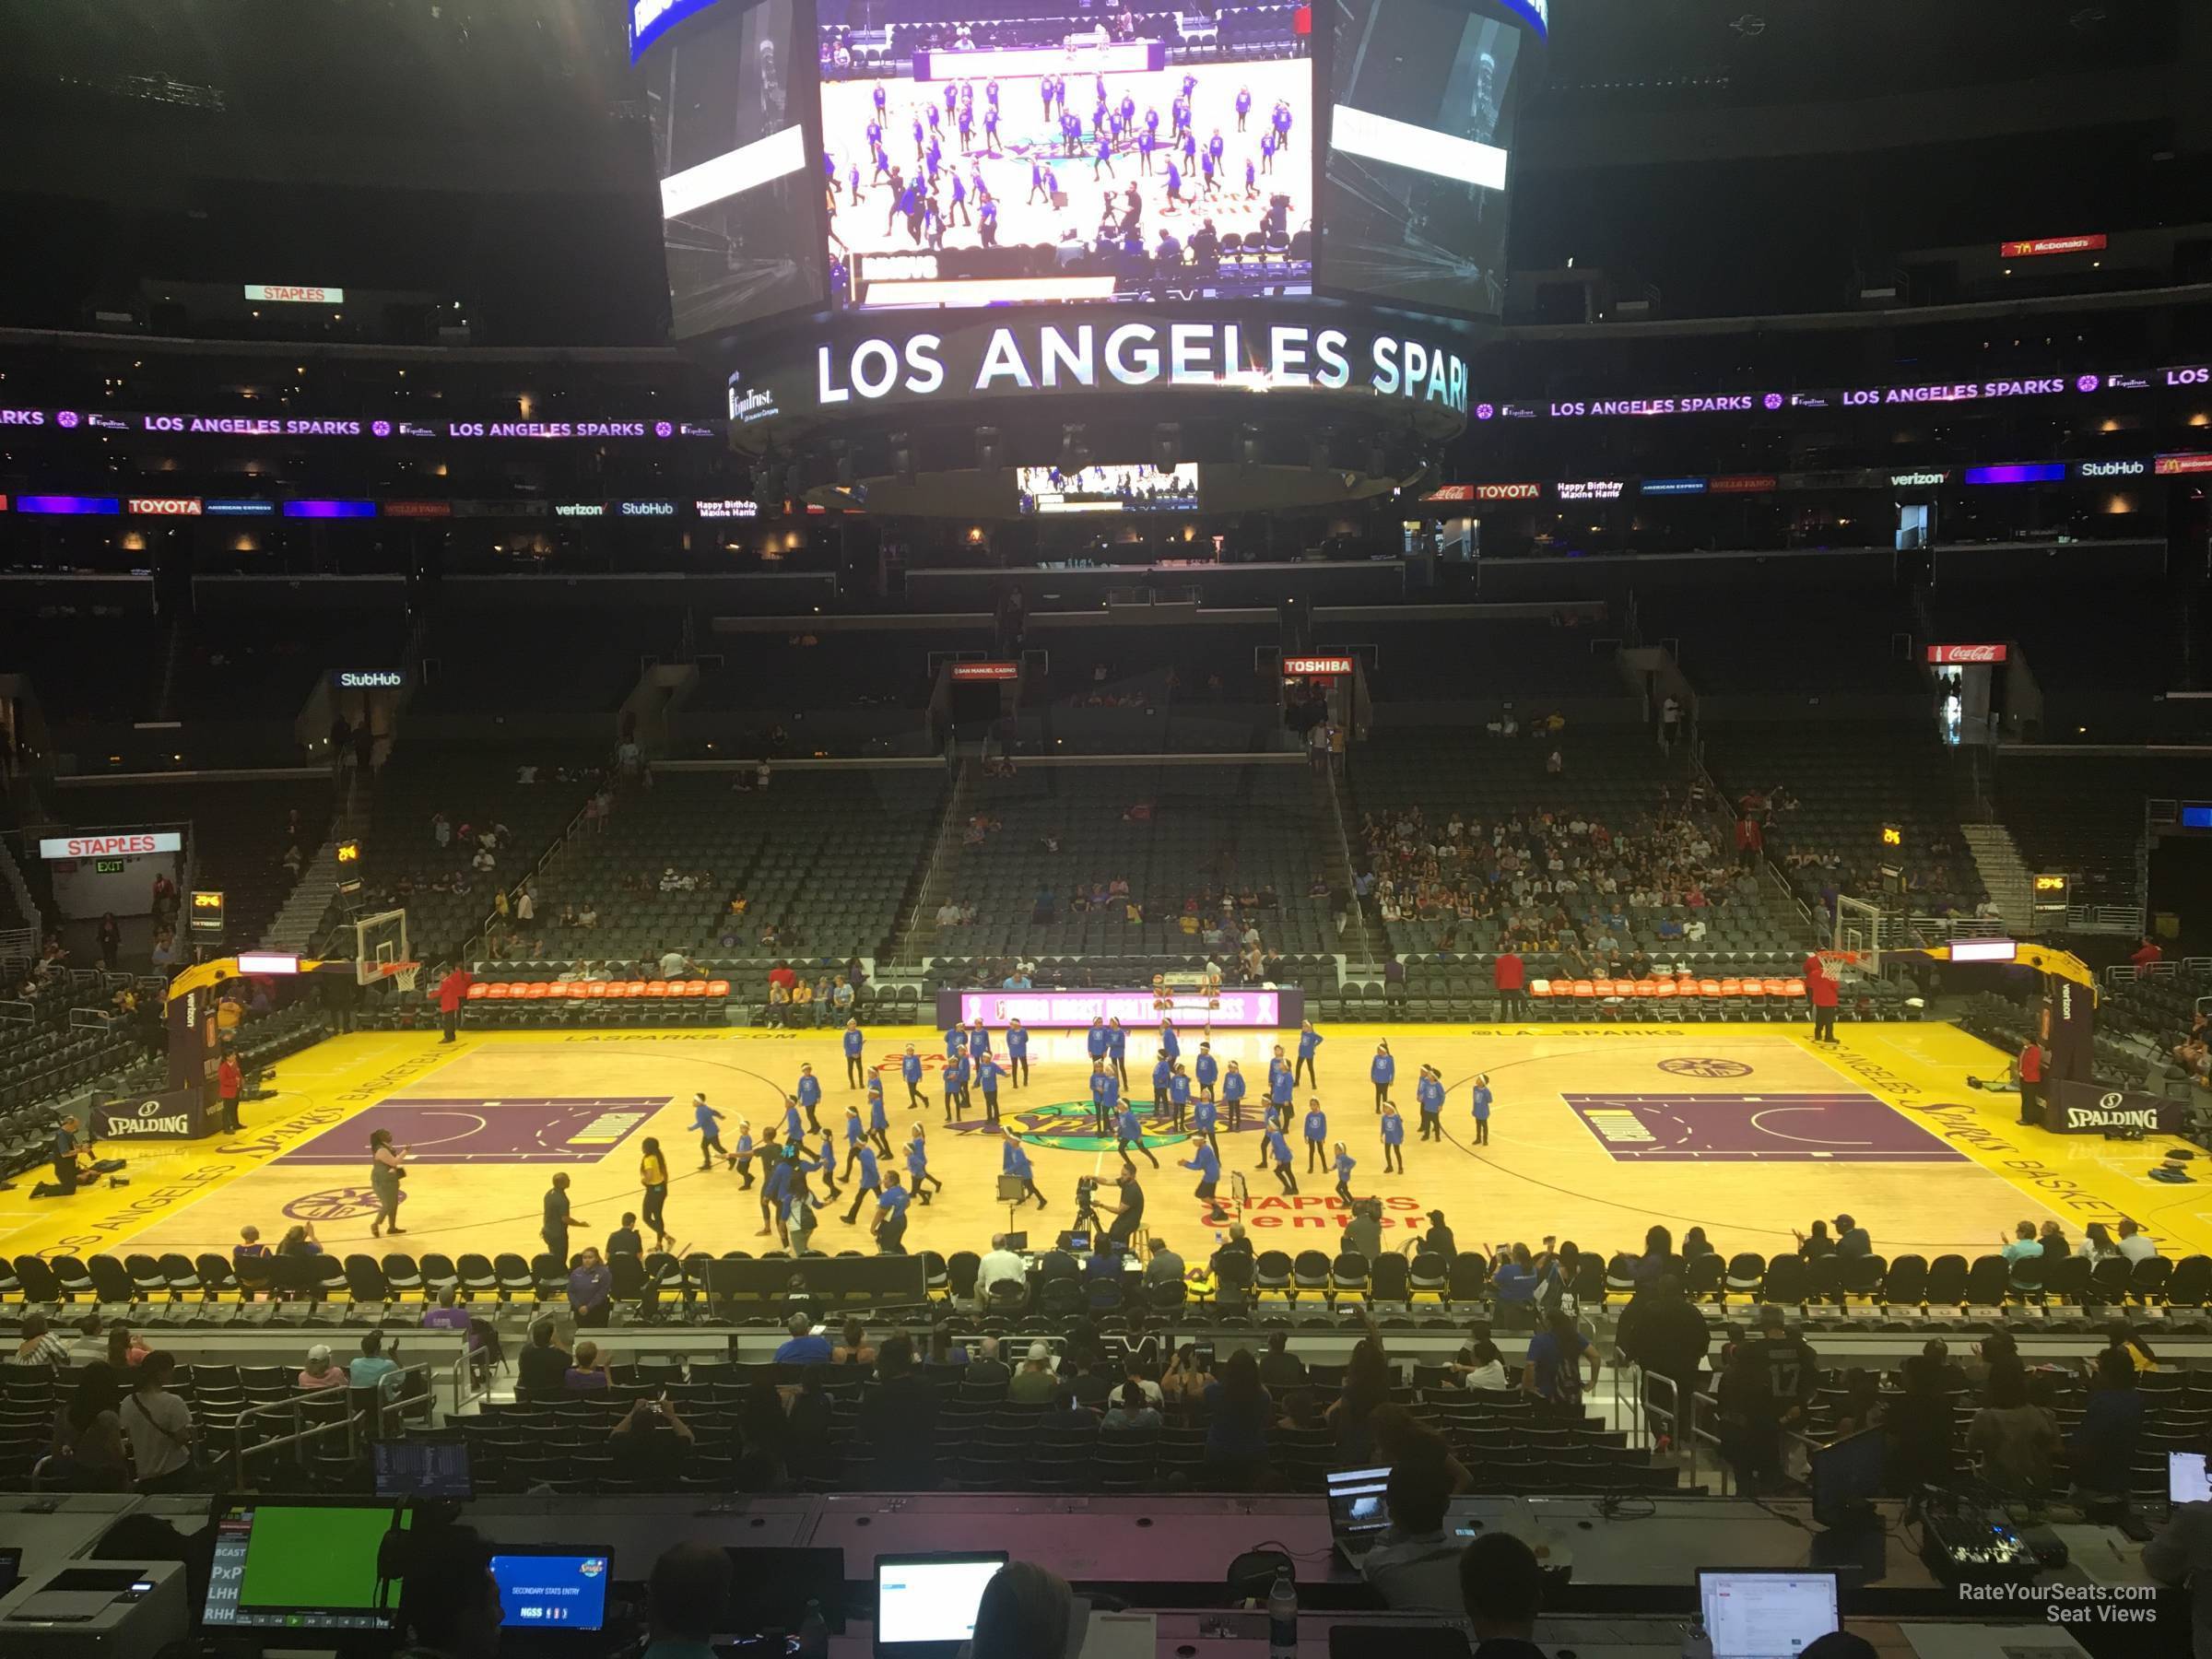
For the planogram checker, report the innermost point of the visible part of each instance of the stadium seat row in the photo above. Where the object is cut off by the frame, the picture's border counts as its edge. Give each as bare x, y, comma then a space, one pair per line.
593, 989
1683, 986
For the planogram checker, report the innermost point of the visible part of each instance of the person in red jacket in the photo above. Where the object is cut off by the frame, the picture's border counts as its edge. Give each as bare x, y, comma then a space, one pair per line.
2030, 1069
229, 1084
1821, 992
1509, 976
452, 990
1749, 839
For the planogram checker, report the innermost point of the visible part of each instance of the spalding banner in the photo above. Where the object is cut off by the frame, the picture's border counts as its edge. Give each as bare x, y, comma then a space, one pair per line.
2084, 1109
856, 364
173, 1114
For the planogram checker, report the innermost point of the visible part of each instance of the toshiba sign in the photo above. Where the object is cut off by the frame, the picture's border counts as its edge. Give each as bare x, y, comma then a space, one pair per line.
1307, 666
112, 846
1966, 654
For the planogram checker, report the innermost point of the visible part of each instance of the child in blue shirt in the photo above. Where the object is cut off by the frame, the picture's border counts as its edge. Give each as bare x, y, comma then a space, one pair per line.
1206, 1070
1317, 1134
704, 1119
1384, 1070
1129, 1132
1394, 1138
1275, 1147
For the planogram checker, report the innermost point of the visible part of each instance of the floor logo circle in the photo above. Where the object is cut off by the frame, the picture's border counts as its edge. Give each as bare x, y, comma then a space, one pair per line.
1705, 1066
1072, 1126
333, 1204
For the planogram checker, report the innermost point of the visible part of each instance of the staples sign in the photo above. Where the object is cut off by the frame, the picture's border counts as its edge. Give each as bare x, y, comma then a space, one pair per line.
1966, 654
1306, 667
112, 846
289, 293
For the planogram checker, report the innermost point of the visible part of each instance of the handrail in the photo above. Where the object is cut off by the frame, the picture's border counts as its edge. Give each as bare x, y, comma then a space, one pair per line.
936, 855
349, 1422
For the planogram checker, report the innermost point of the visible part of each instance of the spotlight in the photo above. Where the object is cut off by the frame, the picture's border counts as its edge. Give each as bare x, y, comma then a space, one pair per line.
1167, 446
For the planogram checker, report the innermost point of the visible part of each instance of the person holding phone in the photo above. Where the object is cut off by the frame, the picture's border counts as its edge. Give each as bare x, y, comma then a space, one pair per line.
386, 1173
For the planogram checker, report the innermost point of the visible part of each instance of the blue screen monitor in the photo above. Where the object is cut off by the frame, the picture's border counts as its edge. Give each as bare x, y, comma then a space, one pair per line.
554, 1589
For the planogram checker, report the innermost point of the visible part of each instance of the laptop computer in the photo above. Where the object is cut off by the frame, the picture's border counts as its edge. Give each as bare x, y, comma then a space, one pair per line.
2185, 1479
925, 1605
1359, 1511
1752, 1613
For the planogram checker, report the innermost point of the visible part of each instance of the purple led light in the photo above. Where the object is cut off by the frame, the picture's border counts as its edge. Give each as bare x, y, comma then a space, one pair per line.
380, 428
67, 419
664, 428
1773, 400
329, 510
2088, 382
1484, 411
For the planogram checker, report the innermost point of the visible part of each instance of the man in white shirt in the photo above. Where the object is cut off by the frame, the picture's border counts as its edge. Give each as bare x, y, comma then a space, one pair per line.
159, 1424
998, 1265
2135, 1243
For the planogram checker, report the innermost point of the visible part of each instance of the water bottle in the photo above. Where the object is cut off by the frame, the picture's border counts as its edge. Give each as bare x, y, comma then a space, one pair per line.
813, 1633
1282, 1620
1696, 1644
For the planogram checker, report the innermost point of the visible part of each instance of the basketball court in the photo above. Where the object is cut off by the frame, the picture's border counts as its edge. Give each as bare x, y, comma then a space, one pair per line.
1746, 1130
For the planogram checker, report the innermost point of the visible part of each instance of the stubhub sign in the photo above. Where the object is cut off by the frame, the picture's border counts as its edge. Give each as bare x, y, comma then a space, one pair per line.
369, 680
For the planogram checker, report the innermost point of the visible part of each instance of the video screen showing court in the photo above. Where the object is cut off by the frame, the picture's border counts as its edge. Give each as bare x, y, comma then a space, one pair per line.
1420, 137
1028, 159
738, 211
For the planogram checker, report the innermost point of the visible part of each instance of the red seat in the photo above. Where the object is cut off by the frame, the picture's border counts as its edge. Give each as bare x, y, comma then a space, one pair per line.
718, 988
478, 992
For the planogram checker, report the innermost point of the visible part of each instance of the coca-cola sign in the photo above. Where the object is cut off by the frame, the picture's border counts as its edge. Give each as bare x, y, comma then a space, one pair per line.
1966, 654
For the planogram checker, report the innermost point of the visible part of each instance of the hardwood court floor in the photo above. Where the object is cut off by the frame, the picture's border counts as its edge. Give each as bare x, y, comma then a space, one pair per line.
1748, 1131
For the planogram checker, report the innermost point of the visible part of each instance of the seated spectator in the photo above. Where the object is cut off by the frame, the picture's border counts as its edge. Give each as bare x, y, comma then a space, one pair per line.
1034, 1383
1481, 1365
89, 1437
1238, 1411
999, 1265
651, 1442
38, 1344
2017, 1442
688, 1598
1070, 1412
987, 1369
541, 1370
1501, 1586
852, 1346
2103, 1449
448, 1315
1279, 1368
2135, 1243
803, 1347
1417, 1564
160, 1428
320, 1373
587, 1369
373, 1365
1026, 1613
249, 1245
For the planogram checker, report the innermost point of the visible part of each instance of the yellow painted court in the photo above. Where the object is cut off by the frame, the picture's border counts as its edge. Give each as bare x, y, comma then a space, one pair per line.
1748, 1131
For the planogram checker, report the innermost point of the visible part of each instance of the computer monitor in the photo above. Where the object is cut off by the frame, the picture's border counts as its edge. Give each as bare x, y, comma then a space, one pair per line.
432, 1466
1847, 1478
770, 1589
1359, 1499
11, 1569
1761, 1615
302, 1566
925, 1605
2185, 1480
555, 1587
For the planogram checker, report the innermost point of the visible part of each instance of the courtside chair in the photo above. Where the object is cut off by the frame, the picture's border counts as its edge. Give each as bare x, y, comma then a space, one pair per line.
2190, 1284
1786, 1280
1987, 1282
1468, 1278
1905, 1285
1309, 1271
2149, 1281
1349, 1276
146, 1282
2067, 1280
1271, 1273
1390, 1279
110, 1282
1429, 1275
216, 1276
1947, 1282
403, 1274
1746, 1272
439, 1274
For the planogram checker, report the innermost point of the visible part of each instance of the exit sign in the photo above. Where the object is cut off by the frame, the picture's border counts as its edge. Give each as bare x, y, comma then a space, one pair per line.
108, 867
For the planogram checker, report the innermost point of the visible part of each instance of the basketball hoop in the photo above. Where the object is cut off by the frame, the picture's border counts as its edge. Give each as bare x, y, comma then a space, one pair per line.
1834, 962
400, 976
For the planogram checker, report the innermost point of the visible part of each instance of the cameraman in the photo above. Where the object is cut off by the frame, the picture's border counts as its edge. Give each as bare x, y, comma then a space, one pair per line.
1129, 1212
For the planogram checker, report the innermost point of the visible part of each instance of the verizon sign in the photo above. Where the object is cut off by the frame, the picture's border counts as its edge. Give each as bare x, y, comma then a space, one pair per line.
112, 846
986, 671
1966, 654
290, 293
1308, 668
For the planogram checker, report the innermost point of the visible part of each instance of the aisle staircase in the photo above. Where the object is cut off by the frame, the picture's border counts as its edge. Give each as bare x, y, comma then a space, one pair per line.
297, 926
2004, 873
916, 935
1355, 943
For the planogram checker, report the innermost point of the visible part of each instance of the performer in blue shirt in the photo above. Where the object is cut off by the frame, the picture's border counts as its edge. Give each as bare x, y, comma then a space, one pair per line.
775, 1187
1343, 1166
1384, 1071
1308, 1041
1205, 1070
792, 1127
1243, 106
1117, 1045
1275, 1147
856, 1137
1163, 1070
986, 1077
880, 1118
1204, 1116
856, 1071
741, 1159
826, 1161
1280, 1087
870, 1181
1018, 1053
810, 1096
1208, 1162
1105, 1095
917, 1165
1014, 1160
956, 1088
889, 1226
910, 1068
1232, 1095
1429, 1094
1317, 1134
1097, 1042
1129, 1132
704, 1118
955, 1042
1394, 1139
1169, 1044
978, 1040
1179, 1097
1482, 1110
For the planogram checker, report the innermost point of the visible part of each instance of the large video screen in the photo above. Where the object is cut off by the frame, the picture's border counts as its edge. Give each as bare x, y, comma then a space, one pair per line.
1033, 164
1140, 488
1414, 197
737, 201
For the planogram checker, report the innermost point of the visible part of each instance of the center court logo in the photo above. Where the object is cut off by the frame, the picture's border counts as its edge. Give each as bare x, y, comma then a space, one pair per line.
332, 1204
1072, 1126
1700, 1065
